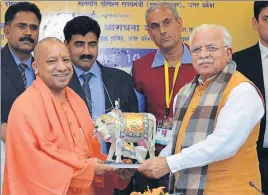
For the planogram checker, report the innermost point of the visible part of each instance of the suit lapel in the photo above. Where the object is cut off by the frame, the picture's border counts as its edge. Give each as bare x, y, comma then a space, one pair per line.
109, 86
11, 69
257, 63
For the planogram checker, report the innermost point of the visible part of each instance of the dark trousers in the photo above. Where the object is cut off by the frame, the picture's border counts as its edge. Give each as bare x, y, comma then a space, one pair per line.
263, 162
126, 191
141, 183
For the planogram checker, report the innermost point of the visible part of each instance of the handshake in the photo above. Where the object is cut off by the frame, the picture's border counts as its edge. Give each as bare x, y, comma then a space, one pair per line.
152, 168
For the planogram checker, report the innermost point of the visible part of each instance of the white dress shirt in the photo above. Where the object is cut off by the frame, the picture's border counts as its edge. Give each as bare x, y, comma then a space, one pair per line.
264, 59
243, 110
96, 86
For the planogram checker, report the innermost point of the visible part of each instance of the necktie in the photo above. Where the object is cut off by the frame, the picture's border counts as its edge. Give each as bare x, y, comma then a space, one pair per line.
22, 68
86, 77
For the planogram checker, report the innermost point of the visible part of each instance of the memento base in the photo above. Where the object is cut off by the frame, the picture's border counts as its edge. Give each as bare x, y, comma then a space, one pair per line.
125, 161
125, 166
109, 162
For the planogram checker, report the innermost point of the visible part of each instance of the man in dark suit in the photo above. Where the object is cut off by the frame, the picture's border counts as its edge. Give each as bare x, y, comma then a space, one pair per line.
22, 21
253, 63
99, 86
21, 29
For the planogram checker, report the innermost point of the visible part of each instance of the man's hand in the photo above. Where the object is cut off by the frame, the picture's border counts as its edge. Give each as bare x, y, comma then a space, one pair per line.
101, 168
154, 168
3, 131
126, 174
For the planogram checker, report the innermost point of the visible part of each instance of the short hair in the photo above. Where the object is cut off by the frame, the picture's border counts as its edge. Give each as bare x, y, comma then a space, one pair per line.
165, 4
227, 38
21, 7
258, 7
81, 25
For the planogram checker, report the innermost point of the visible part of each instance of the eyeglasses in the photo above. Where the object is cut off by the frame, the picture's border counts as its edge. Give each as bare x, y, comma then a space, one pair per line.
208, 48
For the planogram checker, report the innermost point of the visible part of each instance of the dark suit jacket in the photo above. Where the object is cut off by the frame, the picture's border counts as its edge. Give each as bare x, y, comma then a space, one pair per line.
249, 63
118, 84
11, 82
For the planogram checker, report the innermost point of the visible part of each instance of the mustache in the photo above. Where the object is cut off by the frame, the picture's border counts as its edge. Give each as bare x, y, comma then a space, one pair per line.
205, 60
27, 39
86, 56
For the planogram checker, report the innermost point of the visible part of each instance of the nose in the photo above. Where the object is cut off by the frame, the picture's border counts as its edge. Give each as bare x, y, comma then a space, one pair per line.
87, 50
61, 66
27, 31
162, 29
204, 53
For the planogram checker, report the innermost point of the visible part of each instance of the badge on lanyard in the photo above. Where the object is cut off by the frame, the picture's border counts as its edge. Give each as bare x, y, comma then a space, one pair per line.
164, 132
164, 127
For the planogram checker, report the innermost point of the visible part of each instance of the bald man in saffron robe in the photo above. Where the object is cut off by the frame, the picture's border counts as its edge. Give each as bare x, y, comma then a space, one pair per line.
50, 146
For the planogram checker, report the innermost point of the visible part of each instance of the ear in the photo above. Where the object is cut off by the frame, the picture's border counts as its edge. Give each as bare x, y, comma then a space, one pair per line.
67, 46
229, 52
254, 23
149, 32
180, 23
35, 67
6, 30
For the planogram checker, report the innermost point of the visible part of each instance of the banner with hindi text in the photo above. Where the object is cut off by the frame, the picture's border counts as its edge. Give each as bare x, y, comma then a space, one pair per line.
124, 38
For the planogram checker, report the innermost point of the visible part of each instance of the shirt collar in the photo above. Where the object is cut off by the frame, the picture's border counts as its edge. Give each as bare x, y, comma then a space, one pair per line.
18, 61
159, 58
95, 70
203, 83
264, 50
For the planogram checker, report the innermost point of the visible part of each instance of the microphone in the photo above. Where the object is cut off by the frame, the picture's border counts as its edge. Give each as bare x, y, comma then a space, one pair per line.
251, 183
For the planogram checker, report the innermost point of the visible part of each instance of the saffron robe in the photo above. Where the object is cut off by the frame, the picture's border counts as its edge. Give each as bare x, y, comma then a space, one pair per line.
42, 157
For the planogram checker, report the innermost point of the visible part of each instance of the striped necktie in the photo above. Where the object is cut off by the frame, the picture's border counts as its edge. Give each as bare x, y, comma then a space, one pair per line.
86, 77
22, 68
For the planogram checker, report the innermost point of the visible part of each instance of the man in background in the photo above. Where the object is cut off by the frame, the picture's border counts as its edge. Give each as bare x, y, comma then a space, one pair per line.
97, 85
22, 21
158, 76
253, 63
